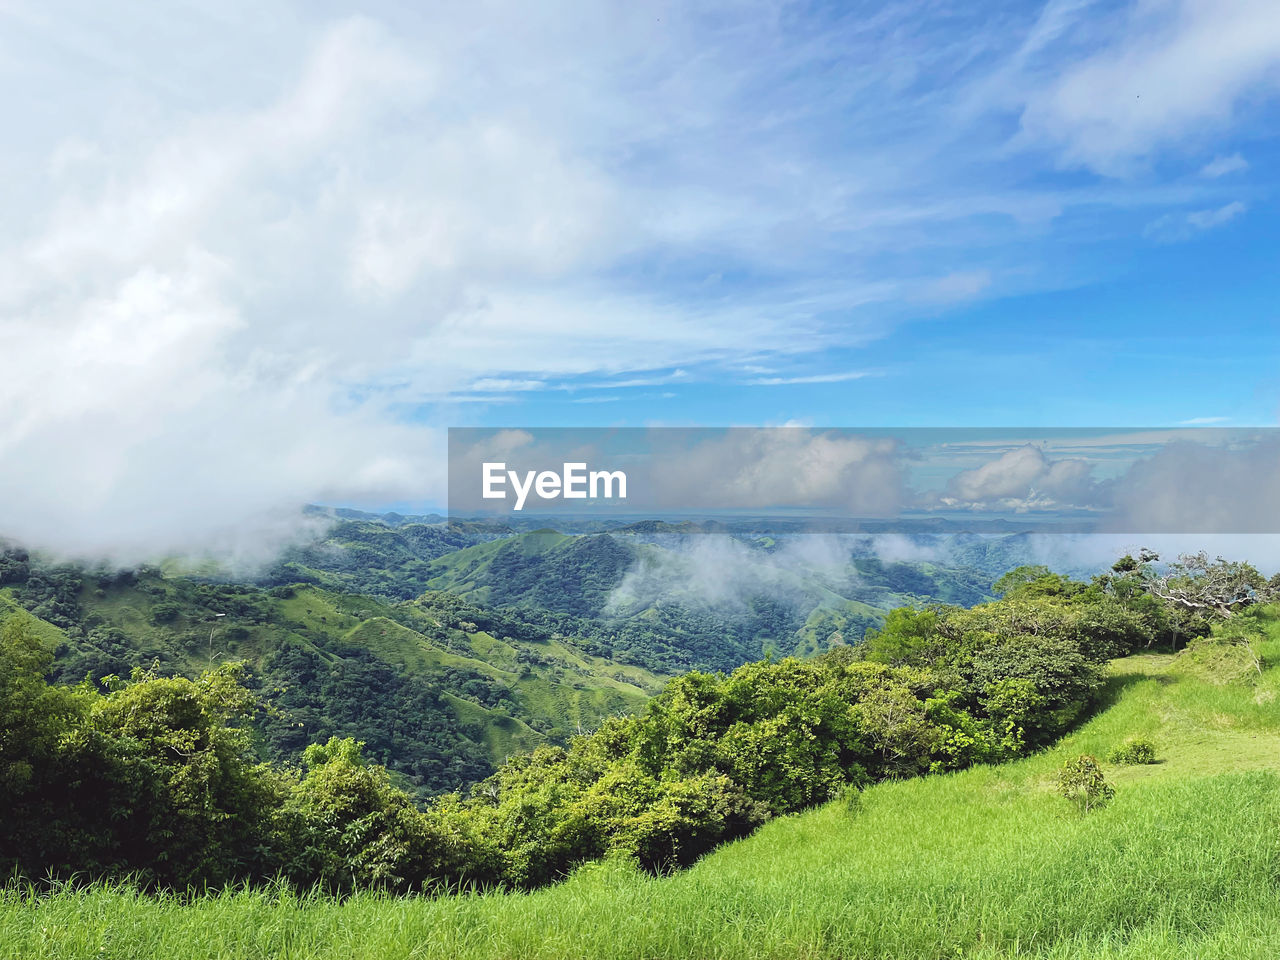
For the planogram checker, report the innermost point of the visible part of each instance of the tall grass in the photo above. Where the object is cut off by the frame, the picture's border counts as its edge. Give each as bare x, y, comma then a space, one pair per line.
987, 863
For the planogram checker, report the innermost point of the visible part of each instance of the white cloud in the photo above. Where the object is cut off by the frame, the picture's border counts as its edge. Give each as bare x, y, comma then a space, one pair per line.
1208, 219
958, 286
1204, 488
1167, 73
1022, 479
1172, 228
791, 466
843, 377
1221, 166
506, 385
240, 240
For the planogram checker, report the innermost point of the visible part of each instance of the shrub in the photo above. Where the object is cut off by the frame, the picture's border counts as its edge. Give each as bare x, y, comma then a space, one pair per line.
166, 611
851, 799
1134, 750
1081, 781
346, 826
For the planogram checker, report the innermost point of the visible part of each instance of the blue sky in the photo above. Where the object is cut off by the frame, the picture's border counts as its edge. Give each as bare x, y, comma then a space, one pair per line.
994, 228
263, 253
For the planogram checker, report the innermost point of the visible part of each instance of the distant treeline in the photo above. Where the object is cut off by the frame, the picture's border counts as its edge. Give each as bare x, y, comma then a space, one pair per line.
156, 776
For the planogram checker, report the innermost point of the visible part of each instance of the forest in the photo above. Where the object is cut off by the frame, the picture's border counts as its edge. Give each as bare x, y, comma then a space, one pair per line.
176, 783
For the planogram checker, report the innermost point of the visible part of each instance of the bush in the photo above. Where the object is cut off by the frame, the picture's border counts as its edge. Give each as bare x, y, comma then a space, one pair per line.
1081, 781
166, 611
345, 826
1134, 750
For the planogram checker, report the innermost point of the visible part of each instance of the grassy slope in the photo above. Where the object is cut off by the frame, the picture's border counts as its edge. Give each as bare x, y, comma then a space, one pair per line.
47, 633
987, 863
475, 572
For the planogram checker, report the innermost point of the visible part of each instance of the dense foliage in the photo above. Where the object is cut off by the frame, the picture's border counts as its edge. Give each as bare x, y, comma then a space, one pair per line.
439, 689
157, 775
380, 557
1133, 751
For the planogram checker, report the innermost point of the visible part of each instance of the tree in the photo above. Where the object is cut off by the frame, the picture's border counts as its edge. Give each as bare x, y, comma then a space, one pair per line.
345, 825
181, 795
908, 636
1034, 581
1195, 583
1081, 781
35, 721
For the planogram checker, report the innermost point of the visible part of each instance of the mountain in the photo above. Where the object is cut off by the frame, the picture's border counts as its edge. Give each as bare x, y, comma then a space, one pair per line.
440, 689
448, 646
384, 555
703, 601
544, 569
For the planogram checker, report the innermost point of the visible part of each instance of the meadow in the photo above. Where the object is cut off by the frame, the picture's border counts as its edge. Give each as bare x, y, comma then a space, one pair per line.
985, 863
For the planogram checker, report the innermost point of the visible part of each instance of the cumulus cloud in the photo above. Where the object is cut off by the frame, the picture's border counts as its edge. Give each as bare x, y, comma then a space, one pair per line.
150, 407
255, 255
1203, 488
1023, 479
754, 469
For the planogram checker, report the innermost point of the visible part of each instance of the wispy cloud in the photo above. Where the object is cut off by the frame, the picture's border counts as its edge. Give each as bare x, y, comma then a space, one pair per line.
1172, 228
958, 286
1221, 166
657, 380
1208, 219
811, 378
500, 385
1167, 74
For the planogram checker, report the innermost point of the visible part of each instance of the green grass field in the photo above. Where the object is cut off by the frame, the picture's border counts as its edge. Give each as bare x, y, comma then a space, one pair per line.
987, 863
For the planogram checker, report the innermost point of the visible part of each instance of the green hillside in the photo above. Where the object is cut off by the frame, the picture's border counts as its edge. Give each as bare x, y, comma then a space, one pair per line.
647, 594
677, 603
984, 863
439, 689
546, 569
384, 556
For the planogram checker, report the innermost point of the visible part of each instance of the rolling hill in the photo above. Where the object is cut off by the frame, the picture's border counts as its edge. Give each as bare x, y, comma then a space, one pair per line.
440, 689
987, 863
447, 647
703, 601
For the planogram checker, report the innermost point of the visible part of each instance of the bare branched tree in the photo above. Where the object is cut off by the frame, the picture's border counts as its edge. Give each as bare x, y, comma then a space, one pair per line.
1194, 582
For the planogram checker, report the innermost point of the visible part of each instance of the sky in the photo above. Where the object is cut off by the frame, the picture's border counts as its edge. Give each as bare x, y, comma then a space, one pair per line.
260, 254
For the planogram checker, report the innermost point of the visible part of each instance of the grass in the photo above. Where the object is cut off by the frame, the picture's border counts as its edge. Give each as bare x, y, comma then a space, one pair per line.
987, 863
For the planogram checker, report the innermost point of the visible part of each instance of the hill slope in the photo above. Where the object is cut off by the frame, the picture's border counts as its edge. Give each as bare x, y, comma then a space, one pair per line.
985, 863
439, 689
676, 603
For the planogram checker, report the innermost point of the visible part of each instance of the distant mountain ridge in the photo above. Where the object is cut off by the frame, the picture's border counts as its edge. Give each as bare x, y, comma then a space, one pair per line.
446, 646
